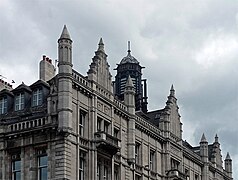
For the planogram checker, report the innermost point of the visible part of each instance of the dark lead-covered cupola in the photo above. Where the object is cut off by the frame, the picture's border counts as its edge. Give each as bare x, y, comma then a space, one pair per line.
129, 66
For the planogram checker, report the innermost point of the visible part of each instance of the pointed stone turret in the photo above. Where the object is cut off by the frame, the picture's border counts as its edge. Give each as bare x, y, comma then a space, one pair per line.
129, 99
65, 81
216, 153
101, 45
172, 91
204, 157
129, 82
172, 109
129, 95
228, 165
203, 139
65, 33
171, 98
204, 148
216, 139
99, 69
64, 109
228, 156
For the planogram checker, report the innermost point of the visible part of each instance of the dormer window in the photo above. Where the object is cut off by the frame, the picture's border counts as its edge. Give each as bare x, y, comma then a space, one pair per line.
19, 102
37, 97
3, 105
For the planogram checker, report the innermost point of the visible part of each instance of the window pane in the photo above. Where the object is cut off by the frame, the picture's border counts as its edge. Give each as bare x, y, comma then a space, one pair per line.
16, 165
34, 99
19, 102
43, 173
3, 105
17, 176
43, 160
37, 97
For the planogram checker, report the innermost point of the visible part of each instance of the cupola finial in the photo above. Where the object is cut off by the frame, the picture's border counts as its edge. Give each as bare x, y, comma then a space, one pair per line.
129, 47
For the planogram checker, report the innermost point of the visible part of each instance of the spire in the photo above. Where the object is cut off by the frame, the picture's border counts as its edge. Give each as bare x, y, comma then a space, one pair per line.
129, 82
101, 45
228, 156
203, 139
216, 139
65, 33
129, 47
172, 91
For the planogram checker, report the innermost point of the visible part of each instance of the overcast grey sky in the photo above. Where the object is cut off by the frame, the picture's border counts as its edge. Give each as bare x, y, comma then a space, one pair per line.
191, 44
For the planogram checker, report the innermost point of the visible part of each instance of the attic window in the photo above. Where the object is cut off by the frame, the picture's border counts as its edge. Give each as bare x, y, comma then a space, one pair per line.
37, 97
19, 102
157, 116
3, 105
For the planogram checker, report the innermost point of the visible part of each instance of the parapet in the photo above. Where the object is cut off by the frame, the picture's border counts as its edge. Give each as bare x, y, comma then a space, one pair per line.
5, 85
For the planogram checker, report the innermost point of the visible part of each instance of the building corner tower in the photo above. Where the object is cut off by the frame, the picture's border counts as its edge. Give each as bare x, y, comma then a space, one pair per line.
228, 165
204, 157
65, 82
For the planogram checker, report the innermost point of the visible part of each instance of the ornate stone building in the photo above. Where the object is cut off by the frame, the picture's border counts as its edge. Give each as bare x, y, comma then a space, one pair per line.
70, 126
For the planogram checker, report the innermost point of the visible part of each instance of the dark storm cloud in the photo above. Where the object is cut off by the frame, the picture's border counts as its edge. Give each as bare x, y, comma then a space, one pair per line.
191, 44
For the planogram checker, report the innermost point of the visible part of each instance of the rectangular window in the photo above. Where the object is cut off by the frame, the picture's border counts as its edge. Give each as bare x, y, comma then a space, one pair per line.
42, 167
186, 172
19, 102
3, 105
196, 177
16, 167
116, 172
106, 126
99, 124
137, 153
82, 118
82, 165
98, 171
174, 164
137, 177
37, 97
116, 132
42, 160
152, 160
105, 174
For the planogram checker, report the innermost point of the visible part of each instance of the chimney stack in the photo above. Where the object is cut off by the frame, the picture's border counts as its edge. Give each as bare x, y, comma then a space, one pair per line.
47, 69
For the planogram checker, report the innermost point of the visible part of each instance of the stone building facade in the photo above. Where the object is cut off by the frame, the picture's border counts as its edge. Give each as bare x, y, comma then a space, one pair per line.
70, 126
